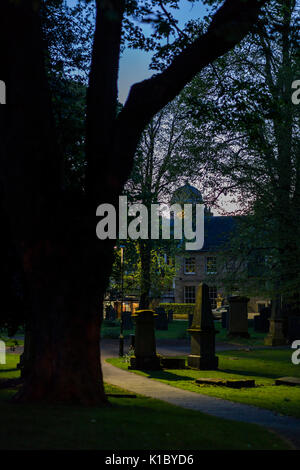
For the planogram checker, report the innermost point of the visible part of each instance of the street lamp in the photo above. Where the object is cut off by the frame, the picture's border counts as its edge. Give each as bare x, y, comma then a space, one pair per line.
121, 337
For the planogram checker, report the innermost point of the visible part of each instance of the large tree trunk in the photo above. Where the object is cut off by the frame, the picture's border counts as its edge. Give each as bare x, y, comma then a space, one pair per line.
67, 276
66, 269
66, 281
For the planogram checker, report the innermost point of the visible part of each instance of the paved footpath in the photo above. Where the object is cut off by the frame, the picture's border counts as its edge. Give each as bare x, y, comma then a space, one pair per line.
286, 426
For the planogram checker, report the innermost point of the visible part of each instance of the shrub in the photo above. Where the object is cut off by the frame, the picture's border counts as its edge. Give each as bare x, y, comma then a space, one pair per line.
179, 310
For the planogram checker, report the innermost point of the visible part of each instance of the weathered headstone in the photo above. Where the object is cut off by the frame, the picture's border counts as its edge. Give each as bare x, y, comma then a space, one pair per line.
127, 321
202, 333
170, 315
293, 328
276, 335
232, 383
110, 313
261, 321
145, 347
225, 316
238, 316
161, 320
293, 381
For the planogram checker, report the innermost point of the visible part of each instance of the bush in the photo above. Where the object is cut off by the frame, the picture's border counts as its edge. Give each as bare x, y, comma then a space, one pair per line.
179, 310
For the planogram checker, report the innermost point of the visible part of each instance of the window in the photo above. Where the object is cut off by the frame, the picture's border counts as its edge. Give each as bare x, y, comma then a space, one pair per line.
189, 294
212, 292
189, 265
211, 265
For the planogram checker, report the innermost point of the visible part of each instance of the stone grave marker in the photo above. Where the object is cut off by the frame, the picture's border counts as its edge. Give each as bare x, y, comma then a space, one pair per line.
145, 346
261, 321
202, 333
238, 316
293, 328
161, 319
170, 315
127, 321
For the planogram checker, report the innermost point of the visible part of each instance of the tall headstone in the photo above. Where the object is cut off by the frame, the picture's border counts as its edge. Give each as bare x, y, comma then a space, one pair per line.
170, 316
293, 328
203, 333
110, 313
161, 321
261, 321
276, 335
225, 315
127, 321
238, 316
145, 347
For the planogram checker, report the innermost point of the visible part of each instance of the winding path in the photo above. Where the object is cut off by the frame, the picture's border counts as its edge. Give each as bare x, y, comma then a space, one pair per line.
286, 426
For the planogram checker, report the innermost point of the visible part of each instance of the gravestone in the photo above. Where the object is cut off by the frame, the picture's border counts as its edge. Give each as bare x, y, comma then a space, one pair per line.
110, 313
293, 381
238, 316
145, 347
276, 336
225, 315
261, 321
202, 333
293, 328
127, 321
161, 320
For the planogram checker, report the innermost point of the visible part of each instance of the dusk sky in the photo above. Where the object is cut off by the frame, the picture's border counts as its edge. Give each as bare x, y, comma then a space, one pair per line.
134, 66
134, 63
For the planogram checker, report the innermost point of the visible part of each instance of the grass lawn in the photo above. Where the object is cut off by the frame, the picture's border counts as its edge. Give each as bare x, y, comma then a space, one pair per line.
129, 423
256, 338
12, 342
178, 330
262, 365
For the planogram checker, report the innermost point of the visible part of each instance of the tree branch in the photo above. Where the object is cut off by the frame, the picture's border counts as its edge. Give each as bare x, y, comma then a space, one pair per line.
229, 26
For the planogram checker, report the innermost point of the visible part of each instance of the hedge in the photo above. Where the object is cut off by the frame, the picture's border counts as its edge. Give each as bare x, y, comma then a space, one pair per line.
178, 309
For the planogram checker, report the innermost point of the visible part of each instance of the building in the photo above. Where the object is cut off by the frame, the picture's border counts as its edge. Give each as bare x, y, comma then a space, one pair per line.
201, 266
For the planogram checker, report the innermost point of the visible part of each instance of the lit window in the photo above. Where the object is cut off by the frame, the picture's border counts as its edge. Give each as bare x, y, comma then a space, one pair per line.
211, 265
189, 294
189, 265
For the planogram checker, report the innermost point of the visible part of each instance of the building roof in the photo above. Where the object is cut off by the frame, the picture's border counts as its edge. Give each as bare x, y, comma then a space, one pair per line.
217, 232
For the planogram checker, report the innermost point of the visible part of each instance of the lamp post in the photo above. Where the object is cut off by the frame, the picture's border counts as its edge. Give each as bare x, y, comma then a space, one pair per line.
121, 337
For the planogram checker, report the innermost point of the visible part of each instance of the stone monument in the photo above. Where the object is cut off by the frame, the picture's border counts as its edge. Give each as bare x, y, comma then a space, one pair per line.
161, 321
276, 336
238, 316
202, 333
145, 347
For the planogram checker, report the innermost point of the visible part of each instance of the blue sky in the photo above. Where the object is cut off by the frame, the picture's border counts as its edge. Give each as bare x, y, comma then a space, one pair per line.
134, 64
